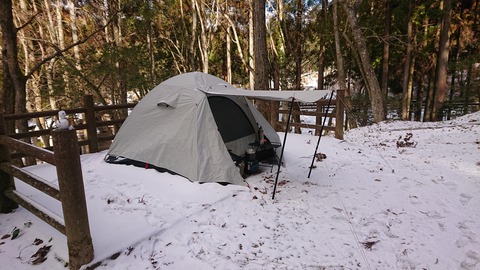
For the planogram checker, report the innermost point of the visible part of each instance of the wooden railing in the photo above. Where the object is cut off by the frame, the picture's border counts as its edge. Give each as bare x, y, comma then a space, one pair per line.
320, 110
70, 191
89, 138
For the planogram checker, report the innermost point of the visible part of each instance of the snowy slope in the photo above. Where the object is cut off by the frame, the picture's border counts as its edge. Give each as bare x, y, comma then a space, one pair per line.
368, 205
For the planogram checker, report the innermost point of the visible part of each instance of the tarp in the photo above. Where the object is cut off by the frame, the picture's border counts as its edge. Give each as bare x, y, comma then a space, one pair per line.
217, 86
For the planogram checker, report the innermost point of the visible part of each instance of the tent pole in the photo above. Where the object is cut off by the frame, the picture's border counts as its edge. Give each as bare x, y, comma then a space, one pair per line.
283, 148
321, 132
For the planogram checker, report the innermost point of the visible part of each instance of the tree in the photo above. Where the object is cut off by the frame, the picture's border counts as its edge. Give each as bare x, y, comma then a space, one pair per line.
375, 93
13, 75
260, 45
386, 47
407, 90
442, 62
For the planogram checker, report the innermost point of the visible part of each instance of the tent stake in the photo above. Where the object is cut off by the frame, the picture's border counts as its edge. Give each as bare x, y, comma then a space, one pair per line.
321, 132
283, 148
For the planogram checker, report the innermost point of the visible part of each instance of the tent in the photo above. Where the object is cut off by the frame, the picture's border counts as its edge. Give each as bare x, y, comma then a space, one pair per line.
192, 124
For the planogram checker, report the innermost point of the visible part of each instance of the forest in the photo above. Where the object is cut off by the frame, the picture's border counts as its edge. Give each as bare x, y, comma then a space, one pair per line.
410, 60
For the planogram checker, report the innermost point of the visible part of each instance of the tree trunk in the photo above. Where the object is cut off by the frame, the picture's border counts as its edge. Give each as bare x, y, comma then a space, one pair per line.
204, 40
298, 58
61, 43
260, 56
341, 77
407, 94
229, 54
260, 46
236, 40
251, 57
455, 54
442, 62
194, 37
375, 93
420, 95
338, 51
386, 48
12, 72
428, 114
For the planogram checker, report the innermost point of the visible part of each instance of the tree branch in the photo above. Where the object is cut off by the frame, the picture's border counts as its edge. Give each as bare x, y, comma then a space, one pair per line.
26, 23
60, 52
96, 89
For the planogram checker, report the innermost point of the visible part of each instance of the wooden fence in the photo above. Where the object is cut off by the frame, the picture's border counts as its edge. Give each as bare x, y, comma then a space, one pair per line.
96, 126
70, 192
66, 159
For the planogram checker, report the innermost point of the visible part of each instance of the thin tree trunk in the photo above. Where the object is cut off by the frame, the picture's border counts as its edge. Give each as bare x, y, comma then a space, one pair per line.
203, 40
455, 54
386, 47
442, 62
61, 41
298, 58
341, 78
236, 40
229, 54
251, 58
428, 114
420, 95
406, 100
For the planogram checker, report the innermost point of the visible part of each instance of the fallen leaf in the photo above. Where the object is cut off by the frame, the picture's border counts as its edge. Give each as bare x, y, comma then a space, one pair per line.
282, 183
37, 241
15, 233
40, 256
369, 244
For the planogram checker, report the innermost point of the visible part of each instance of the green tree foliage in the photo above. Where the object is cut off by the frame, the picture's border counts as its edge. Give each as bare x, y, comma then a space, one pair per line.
126, 47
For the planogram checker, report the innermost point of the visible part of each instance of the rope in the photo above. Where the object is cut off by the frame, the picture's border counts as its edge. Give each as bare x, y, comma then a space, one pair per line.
350, 113
350, 223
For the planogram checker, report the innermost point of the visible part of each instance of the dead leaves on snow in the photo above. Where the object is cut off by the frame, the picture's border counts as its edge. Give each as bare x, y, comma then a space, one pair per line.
406, 141
369, 244
40, 256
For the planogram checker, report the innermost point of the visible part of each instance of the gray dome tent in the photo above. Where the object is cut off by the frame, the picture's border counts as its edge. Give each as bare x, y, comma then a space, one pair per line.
179, 127
190, 123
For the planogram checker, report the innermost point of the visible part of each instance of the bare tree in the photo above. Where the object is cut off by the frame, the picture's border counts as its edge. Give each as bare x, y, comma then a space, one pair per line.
375, 93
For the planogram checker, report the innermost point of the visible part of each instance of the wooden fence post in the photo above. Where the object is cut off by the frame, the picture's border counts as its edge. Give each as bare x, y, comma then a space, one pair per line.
340, 114
91, 123
72, 195
6, 180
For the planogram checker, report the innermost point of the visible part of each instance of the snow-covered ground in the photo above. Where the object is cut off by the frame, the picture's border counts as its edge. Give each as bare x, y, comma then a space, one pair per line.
368, 205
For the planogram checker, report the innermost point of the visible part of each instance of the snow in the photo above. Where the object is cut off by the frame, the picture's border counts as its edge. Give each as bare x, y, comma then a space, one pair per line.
368, 205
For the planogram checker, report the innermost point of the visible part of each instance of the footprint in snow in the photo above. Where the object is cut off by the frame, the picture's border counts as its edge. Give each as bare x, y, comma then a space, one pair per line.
471, 261
465, 198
